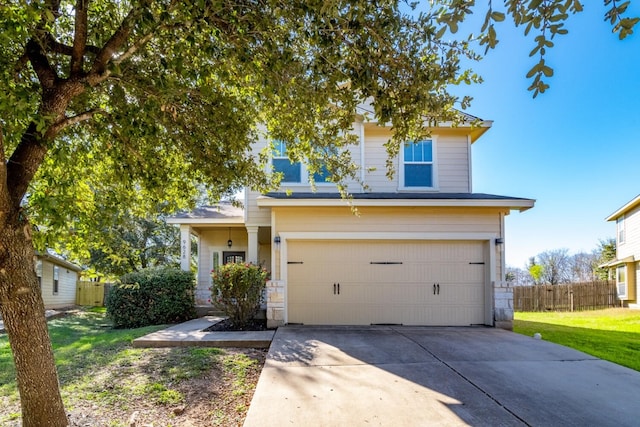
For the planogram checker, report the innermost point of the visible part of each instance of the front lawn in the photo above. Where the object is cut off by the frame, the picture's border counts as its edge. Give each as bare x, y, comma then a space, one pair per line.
106, 382
612, 334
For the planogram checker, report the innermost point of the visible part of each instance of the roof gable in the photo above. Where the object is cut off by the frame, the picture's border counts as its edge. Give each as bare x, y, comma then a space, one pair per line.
624, 209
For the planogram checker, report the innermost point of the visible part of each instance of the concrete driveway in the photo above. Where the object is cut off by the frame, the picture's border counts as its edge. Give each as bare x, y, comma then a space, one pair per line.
413, 376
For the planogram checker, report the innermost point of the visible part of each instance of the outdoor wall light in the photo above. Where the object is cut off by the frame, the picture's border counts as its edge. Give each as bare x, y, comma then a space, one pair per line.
229, 242
499, 241
276, 241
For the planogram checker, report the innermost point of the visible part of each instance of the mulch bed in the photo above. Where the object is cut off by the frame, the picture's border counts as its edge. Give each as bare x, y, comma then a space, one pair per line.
226, 326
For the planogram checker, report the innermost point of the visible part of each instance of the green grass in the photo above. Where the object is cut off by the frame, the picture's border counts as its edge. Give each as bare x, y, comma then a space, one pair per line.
612, 334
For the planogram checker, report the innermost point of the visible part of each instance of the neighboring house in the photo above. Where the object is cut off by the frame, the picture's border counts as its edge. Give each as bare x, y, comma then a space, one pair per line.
627, 263
58, 280
422, 250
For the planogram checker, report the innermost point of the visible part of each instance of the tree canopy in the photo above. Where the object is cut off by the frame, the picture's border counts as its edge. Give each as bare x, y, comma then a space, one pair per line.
105, 104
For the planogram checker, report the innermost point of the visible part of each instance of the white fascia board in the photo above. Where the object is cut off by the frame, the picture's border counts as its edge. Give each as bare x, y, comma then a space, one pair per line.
444, 125
514, 204
59, 262
632, 204
206, 221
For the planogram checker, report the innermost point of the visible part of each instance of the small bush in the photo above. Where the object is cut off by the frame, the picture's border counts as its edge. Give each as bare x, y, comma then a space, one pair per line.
152, 296
237, 290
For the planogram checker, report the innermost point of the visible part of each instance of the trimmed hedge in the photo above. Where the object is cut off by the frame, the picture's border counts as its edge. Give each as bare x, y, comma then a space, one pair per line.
152, 296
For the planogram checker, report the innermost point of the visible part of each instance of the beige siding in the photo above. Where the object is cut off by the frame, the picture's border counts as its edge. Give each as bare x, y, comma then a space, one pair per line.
453, 165
375, 155
452, 162
256, 215
391, 219
67, 283
631, 246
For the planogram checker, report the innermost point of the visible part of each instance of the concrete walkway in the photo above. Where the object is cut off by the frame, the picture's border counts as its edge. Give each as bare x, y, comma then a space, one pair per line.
411, 376
49, 314
191, 334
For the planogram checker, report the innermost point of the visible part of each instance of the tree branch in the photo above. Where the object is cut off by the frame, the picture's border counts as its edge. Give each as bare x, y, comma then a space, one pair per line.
23, 165
40, 63
80, 37
70, 121
135, 47
112, 45
20, 64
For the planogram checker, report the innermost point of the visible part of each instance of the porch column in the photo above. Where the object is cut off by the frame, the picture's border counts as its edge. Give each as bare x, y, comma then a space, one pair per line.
252, 250
185, 247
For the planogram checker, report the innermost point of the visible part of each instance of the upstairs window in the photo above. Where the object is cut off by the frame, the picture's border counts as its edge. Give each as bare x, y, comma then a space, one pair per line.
418, 167
322, 176
620, 229
291, 171
295, 172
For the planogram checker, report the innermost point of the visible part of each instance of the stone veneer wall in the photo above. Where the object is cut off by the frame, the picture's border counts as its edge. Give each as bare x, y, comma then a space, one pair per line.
275, 303
503, 305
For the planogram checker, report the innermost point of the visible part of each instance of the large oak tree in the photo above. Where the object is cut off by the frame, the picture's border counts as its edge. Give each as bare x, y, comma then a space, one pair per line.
105, 104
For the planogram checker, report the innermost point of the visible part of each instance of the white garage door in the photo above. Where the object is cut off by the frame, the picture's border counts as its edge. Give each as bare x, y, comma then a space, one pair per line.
385, 282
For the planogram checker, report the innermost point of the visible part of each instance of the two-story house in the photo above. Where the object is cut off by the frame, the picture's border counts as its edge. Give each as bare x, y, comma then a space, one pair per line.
423, 249
627, 262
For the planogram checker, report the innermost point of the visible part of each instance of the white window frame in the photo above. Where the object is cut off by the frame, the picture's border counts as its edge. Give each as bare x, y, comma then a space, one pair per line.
624, 283
620, 230
39, 271
433, 163
56, 280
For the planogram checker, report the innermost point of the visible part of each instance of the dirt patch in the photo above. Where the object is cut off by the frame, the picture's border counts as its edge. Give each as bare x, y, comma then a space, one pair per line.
146, 390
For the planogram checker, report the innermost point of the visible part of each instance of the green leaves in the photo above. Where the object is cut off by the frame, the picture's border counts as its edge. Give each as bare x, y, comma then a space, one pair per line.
237, 290
194, 84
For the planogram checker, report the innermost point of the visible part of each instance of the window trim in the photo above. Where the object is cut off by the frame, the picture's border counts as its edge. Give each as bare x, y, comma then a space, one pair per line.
38, 269
622, 267
433, 163
56, 280
620, 230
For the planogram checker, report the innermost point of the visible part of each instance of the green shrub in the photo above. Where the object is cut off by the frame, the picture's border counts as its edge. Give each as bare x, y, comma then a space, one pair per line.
237, 291
152, 296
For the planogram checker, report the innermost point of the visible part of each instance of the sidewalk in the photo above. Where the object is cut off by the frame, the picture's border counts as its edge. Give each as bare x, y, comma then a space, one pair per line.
189, 334
50, 315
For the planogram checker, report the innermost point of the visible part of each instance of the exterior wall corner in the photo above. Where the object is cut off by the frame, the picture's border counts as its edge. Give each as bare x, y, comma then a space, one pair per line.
503, 305
275, 303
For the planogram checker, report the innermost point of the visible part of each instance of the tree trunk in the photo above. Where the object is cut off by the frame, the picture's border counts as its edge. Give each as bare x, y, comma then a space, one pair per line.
22, 311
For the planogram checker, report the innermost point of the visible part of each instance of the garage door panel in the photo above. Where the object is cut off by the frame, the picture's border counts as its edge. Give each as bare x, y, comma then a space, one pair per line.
385, 282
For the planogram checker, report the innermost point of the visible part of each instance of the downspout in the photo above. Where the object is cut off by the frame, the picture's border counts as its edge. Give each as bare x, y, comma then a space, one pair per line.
362, 161
470, 165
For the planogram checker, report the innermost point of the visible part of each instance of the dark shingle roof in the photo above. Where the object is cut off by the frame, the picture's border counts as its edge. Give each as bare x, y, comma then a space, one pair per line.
391, 196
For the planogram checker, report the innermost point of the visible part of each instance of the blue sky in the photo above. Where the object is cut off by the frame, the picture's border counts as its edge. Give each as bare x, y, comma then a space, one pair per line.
575, 148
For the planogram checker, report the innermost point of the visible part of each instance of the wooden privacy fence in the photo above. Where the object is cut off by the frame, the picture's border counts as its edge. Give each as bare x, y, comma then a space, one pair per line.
569, 297
91, 293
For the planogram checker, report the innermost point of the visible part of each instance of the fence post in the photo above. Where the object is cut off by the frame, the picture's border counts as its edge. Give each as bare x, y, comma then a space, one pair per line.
571, 299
